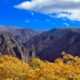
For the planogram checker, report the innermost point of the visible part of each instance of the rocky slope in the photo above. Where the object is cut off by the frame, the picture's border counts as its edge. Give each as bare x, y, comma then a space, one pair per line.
21, 35
12, 40
49, 45
8, 46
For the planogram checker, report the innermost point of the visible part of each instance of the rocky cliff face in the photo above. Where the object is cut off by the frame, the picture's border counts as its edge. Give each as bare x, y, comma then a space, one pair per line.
24, 43
21, 35
8, 46
12, 41
49, 45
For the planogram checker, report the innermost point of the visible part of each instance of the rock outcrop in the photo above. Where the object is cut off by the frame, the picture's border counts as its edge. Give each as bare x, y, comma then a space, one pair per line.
49, 45
9, 46
13, 39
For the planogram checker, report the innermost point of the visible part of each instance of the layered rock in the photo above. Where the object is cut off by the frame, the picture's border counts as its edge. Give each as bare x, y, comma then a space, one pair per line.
9, 46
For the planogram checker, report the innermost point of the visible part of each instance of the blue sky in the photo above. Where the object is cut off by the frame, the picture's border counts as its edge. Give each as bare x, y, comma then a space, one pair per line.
40, 14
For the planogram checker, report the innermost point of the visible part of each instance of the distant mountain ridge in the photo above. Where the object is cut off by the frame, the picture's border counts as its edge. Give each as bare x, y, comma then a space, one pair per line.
47, 45
21, 35
12, 40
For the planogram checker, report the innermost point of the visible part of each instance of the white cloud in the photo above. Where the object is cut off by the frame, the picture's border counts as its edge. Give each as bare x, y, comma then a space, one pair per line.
27, 21
66, 24
52, 6
73, 15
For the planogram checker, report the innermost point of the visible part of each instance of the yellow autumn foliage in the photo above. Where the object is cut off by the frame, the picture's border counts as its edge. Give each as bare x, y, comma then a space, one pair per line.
67, 68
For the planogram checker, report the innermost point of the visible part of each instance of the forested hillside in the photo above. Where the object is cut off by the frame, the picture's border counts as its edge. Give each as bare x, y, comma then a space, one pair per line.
66, 68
